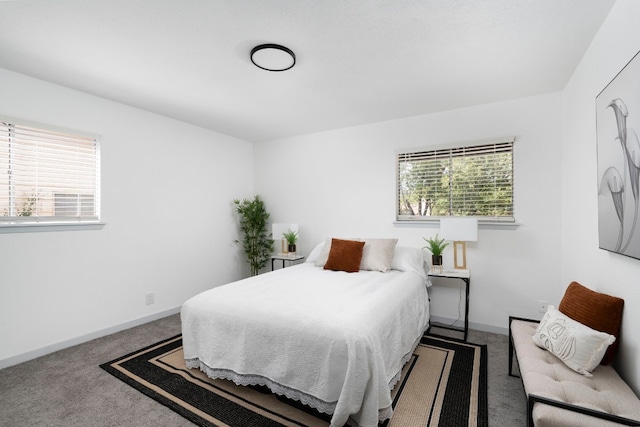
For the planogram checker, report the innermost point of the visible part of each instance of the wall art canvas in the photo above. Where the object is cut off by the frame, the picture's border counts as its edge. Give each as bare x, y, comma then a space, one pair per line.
618, 124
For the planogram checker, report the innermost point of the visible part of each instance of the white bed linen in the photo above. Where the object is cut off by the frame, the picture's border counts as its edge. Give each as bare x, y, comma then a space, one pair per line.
335, 341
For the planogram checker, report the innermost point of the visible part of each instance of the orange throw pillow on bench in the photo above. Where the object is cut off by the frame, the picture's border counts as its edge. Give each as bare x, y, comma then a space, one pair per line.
598, 311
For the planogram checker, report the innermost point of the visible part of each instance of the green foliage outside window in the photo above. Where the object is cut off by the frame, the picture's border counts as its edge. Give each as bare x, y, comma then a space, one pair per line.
472, 181
28, 207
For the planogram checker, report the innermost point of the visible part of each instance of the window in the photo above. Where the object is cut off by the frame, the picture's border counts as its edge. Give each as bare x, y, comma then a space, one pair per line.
474, 180
47, 175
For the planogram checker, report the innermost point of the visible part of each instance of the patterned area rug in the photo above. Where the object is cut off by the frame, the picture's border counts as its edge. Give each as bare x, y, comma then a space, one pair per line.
443, 384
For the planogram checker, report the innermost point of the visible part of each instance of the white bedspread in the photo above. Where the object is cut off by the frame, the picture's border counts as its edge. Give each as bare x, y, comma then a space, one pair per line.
335, 341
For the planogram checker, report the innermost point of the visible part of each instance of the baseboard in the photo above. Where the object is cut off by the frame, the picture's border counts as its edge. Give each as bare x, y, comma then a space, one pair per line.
24, 357
472, 325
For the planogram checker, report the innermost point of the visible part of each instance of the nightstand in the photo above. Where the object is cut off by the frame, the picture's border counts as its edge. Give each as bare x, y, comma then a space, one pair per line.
284, 258
465, 276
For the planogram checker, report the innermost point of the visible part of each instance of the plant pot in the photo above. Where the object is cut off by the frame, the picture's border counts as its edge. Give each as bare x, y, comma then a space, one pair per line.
292, 249
436, 263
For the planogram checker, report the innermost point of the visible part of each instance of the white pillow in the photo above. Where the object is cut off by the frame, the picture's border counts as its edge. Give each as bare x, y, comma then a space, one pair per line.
377, 254
578, 346
315, 253
409, 259
324, 254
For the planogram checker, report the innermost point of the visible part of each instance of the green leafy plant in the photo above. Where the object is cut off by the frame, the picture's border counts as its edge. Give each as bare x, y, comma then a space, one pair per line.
290, 236
436, 246
28, 206
256, 242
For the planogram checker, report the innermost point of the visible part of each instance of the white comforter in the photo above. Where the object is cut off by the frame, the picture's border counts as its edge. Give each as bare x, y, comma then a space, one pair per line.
335, 341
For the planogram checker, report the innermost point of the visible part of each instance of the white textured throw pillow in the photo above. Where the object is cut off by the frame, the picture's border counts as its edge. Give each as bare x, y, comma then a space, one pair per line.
377, 254
578, 346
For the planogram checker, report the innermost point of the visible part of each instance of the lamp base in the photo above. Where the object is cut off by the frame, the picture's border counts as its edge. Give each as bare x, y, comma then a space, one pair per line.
460, 246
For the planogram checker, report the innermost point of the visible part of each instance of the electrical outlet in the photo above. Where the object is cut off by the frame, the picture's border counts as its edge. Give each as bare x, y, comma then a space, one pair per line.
151, 298
542, 306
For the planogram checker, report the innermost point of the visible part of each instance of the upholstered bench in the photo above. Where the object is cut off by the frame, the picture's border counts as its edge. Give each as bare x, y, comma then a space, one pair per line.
558, 396
564, 363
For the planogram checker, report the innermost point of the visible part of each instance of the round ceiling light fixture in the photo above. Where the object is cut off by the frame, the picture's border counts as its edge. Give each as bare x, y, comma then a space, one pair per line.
273, 57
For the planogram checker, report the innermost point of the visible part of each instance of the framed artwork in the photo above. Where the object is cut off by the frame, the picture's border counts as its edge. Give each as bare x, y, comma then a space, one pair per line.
617, 124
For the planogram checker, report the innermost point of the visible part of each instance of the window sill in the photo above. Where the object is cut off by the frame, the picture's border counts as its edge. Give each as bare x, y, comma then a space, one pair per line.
49, 226
484, 225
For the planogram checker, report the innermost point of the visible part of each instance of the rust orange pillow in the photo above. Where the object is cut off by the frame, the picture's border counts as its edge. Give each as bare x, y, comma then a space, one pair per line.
598, 311
344, 255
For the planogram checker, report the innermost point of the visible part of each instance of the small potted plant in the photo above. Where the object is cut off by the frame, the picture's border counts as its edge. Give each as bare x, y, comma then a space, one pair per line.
291, 237
436, 246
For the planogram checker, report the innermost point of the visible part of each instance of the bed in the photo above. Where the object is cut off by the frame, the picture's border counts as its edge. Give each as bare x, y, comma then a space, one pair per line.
333, 340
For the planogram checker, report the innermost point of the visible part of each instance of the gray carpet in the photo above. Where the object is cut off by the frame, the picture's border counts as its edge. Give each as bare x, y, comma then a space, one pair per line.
68, 388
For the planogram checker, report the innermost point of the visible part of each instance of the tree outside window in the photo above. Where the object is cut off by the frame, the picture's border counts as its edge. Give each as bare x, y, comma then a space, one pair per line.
474, 180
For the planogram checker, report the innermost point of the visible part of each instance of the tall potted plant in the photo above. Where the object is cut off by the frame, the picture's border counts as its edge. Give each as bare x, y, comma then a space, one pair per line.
436, 247
256, 242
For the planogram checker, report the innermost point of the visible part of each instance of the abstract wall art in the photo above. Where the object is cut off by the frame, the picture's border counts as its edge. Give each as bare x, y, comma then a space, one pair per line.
618, 124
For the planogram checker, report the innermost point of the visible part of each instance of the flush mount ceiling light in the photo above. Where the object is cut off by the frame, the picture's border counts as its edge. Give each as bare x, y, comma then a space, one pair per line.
273, 57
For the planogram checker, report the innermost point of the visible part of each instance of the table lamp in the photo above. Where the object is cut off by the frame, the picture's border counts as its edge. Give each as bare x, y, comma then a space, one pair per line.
460, 230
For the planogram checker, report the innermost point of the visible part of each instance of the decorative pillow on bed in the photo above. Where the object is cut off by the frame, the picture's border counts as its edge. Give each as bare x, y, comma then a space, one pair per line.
599, 311
344, 255
578, 346
377, 254
323, 256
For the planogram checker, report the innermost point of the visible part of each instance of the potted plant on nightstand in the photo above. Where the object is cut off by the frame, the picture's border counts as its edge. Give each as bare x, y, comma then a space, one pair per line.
436, 246
291, 237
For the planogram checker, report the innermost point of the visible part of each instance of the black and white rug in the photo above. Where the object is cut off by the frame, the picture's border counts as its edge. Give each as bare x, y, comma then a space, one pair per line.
443, 384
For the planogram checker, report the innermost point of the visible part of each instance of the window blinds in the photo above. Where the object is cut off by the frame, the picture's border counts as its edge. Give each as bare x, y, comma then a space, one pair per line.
47, 175
473, 180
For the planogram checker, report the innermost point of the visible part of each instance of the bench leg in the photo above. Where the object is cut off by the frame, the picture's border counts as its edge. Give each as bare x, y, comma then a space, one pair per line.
530, 403
511, 350
510, 355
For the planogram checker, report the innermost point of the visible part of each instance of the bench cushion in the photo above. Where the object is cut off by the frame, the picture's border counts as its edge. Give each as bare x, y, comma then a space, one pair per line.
545, 375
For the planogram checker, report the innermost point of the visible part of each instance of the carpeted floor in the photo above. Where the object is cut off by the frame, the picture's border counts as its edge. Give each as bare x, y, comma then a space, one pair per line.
68, 388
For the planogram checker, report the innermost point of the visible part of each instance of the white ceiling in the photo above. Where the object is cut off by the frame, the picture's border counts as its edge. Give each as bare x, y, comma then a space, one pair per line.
358, 61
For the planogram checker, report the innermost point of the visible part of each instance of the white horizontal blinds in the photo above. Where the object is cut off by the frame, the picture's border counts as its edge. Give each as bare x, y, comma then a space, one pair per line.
474, 180
47, 175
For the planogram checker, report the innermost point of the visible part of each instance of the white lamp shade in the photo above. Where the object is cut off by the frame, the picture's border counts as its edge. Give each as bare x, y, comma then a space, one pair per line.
459, 229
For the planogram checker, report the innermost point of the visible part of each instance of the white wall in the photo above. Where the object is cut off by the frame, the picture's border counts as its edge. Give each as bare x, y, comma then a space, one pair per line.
616, 43
341, 183
167, 191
